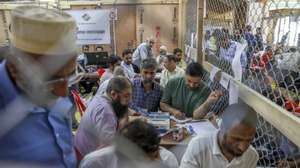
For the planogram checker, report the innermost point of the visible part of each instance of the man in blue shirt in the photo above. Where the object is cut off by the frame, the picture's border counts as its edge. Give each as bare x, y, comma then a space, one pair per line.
35, 113
146, 92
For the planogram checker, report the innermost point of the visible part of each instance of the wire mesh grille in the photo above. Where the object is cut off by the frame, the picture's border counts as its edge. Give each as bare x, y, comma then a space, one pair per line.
268, 36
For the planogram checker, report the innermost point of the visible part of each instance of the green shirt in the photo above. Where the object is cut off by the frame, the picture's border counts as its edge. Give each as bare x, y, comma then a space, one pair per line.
179, 96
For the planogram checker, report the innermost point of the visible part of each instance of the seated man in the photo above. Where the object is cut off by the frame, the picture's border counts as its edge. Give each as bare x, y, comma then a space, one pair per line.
113, 62
228, 147
170, 71
146, 92
142, 148
160, 58
117, 72
127, 65
180, 61
188, 96
103, 115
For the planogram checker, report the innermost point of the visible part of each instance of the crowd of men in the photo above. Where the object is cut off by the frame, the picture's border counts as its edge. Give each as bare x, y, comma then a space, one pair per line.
36, 113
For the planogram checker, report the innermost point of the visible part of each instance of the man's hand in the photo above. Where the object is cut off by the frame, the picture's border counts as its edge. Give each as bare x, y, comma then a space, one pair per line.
133, 113
214, 97
178, 114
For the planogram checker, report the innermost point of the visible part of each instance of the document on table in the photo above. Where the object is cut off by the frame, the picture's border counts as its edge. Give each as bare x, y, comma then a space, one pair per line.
202, 128
178, 121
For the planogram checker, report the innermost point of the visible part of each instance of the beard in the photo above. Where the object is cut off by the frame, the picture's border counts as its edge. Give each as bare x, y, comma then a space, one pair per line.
119, 108
147, 81
37, 93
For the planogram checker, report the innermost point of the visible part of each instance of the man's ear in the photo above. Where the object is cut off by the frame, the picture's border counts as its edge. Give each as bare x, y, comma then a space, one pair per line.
114, 95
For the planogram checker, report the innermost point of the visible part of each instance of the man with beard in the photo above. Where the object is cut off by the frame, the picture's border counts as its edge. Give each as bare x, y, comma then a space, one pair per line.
146, 92
189, 96
127, 65
104, 116
143, 51
35, 112
179, 56
228, 147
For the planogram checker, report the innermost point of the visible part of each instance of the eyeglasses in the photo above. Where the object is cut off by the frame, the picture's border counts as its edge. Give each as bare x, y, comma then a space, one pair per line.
70, 79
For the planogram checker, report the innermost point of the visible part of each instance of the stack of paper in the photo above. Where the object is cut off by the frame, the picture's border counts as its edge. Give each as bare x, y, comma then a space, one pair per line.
159, 120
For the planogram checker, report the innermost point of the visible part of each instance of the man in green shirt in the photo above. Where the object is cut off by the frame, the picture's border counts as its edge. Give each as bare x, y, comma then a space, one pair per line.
189, 96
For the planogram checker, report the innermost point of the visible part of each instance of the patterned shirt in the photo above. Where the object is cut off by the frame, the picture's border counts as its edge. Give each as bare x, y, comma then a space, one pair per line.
97, 127
146, 100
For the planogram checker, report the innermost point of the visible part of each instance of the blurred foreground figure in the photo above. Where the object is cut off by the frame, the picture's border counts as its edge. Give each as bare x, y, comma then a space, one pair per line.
35, 114
230, 146
137, 147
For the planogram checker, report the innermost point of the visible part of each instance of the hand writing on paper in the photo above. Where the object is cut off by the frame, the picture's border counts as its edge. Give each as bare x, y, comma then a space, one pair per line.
179, 115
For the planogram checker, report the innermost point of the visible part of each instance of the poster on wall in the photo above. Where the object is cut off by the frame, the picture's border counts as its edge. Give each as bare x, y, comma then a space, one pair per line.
93, 26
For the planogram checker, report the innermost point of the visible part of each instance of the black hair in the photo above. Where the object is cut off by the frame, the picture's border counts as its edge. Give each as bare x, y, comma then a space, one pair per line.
127, 51
177, 50
113, 59
85, 46
195, 70
149, 63
118, 84
236, 114
171, 57
142, 134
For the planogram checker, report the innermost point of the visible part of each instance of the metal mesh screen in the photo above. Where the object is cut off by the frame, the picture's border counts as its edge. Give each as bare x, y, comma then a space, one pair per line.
267, 38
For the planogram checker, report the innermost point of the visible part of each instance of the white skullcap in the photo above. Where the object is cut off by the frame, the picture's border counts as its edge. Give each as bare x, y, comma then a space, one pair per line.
43, 31
164, 48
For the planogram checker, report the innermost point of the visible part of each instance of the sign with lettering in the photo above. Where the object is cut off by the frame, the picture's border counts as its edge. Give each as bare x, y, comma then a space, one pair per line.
93, 26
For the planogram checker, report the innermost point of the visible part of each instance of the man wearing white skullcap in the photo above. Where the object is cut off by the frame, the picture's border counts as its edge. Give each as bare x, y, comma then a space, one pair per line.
35, 113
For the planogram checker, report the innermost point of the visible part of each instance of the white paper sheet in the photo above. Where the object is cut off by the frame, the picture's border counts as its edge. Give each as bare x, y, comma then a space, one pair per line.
202, 128
192, 39
224, 81
236, 62
178, 121
213, 73
233, 93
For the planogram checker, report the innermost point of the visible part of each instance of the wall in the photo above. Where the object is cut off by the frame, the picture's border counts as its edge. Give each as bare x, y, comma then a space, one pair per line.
161, 22
157, 14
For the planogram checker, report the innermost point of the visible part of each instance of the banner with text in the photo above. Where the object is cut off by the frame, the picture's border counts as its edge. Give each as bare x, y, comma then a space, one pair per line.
93, 26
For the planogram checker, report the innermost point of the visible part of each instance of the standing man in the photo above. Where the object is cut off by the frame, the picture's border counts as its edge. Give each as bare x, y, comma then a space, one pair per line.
143, 51
228, 147
170, 71
180, 61
228, 50
259, 39
104, 116
35, 112
189, 96
126, 64
146, 92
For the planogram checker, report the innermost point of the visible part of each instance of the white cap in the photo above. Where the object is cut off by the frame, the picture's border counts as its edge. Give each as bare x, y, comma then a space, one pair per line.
163, 48
44, 31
